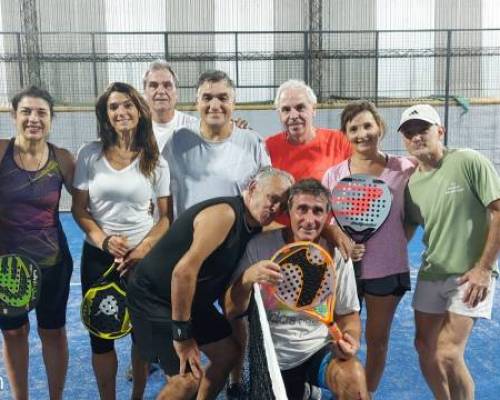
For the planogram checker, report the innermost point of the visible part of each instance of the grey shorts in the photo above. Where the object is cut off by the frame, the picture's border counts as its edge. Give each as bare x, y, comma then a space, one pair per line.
438, 297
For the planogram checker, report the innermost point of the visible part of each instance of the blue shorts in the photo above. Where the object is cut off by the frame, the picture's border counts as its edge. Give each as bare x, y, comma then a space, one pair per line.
313, 371
51, 307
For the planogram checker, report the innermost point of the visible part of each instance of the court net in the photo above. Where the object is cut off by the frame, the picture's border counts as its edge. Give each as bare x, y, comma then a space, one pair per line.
265, 382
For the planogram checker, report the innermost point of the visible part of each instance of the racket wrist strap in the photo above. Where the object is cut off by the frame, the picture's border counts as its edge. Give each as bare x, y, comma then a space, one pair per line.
182, 330
105, 243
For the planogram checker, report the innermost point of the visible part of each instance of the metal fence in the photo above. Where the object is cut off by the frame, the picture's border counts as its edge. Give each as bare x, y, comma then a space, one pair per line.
457, 70
378, 65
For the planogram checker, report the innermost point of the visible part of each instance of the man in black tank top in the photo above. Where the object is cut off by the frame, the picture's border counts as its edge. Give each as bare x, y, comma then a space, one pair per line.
172, 292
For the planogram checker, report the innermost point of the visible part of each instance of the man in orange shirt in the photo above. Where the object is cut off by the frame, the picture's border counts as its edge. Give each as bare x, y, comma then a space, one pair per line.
302, 149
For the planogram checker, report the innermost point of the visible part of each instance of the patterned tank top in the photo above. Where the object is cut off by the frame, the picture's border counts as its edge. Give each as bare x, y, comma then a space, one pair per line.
29, 210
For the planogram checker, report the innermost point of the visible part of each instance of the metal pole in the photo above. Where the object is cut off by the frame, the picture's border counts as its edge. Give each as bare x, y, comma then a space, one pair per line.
29, 23
165, 45
376, 65
447, 86
20, 59
306, 57
94, 65
316, 45
236, 58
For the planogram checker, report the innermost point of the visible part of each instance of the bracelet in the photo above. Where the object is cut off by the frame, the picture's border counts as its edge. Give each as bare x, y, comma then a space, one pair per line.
182, 330
105, 243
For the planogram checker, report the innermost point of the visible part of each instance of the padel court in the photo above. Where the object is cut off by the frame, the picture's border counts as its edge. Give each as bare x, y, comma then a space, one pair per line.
402, 379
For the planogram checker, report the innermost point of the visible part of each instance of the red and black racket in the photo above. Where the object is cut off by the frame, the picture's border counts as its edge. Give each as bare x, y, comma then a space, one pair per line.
361, 204
309, 282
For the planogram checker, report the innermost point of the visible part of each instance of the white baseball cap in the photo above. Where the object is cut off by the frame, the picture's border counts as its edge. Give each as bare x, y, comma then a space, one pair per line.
423, 112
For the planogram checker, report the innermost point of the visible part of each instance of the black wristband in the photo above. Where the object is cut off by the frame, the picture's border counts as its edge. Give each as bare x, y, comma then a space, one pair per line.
182, 330
105, 243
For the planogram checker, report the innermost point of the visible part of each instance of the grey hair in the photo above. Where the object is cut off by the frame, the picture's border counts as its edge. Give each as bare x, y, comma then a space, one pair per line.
295, 84
270, 172
159, 65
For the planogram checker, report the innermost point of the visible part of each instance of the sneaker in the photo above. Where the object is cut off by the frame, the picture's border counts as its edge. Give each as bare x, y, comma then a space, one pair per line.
311, 392
235, 391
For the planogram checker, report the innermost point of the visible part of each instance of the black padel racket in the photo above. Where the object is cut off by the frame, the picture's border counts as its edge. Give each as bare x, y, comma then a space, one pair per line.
20, 285
361, 204
104, 309
309, 282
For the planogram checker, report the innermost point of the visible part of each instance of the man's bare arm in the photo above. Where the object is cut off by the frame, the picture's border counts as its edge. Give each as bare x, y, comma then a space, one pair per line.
211, 228
238, 294
350, 325
334, 235
492, 245
480, 275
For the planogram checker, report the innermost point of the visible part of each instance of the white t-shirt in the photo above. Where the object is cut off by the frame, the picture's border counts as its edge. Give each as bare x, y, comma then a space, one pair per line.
119, 200
163, 132
297, 337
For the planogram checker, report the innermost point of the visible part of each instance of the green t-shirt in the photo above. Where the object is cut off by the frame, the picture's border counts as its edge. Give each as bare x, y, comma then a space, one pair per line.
450, 203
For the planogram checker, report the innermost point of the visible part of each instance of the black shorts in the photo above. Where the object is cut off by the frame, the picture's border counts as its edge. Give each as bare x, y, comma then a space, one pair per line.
154, 339
51, 307
395, 285
94, 263
310, 371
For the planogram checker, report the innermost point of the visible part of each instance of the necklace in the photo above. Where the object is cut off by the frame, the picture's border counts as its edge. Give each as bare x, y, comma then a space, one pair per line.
31, 179
386, 160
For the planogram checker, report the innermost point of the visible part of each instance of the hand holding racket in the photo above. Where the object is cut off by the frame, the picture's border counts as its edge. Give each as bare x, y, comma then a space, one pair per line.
104, 310
116, 245
20, 285
308, 282
361, 204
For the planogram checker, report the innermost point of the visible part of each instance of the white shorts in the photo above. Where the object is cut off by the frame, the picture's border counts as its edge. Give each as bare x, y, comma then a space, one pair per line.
437, 297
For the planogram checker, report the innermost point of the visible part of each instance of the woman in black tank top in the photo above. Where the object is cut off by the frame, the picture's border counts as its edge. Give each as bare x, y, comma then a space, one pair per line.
32, 173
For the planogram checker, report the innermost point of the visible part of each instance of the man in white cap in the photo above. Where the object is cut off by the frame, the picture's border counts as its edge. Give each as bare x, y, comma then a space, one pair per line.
455, 196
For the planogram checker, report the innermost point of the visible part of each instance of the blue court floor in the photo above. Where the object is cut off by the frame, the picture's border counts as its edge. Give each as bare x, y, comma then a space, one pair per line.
402, 379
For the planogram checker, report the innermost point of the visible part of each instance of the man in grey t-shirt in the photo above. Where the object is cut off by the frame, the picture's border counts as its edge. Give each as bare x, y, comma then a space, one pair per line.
306, 353
214, 158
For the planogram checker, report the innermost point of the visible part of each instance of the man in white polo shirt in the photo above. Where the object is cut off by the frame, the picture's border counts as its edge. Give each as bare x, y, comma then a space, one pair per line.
160, 90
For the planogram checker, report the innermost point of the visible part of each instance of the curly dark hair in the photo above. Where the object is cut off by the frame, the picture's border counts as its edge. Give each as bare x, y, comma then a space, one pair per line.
144, 140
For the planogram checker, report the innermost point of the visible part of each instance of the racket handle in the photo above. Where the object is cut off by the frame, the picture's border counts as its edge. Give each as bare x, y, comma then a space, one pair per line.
335, 332
357, 269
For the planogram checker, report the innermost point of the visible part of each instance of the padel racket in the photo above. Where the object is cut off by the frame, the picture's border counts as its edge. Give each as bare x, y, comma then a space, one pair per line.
361, 204
104, 310
20, 285
309, 282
